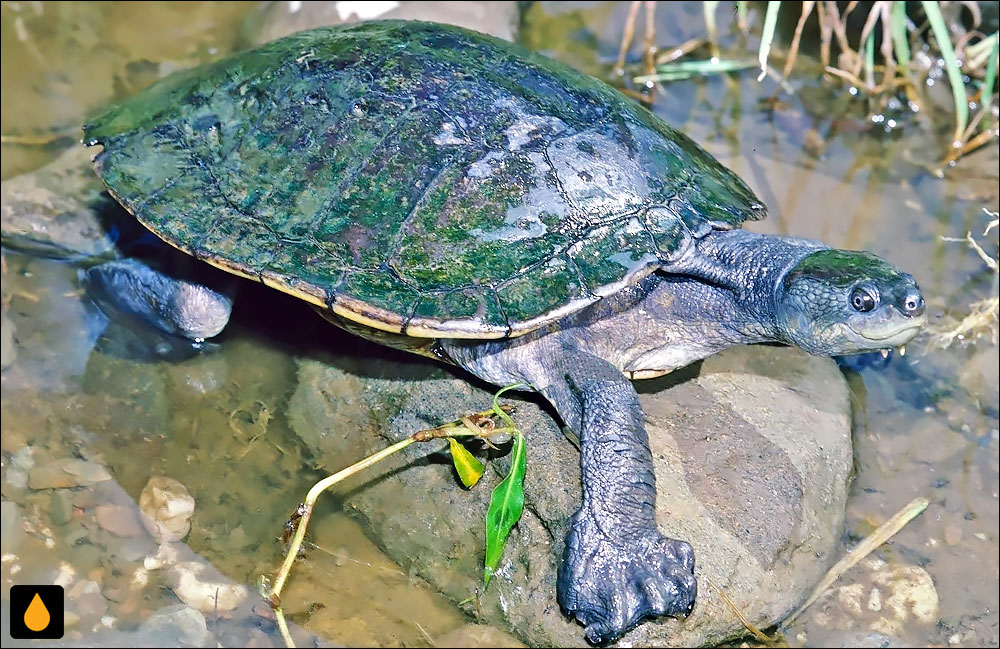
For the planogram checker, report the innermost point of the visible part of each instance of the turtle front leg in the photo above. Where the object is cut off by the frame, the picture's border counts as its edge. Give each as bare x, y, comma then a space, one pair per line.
617, 568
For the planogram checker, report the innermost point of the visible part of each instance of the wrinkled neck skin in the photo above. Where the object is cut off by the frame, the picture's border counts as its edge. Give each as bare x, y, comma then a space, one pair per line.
719, 295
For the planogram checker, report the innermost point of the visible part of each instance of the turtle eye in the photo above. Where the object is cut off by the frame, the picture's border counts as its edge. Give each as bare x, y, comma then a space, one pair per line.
863, 300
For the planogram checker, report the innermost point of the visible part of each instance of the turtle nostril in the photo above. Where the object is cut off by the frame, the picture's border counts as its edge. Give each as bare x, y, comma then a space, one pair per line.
913, 304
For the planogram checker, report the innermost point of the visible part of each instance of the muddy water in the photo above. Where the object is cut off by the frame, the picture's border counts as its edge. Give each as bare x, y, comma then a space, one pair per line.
926, 423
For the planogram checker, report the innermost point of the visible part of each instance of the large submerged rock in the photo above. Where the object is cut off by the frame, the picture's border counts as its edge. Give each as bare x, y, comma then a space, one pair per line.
752, 454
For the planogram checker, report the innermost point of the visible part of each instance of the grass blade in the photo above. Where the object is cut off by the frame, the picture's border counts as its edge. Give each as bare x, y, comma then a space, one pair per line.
770, 20
940, 30
688, 69
900, 42
506, 507
976, 53
989, 81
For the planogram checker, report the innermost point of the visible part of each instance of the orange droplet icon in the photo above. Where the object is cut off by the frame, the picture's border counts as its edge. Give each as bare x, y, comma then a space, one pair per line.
36, 617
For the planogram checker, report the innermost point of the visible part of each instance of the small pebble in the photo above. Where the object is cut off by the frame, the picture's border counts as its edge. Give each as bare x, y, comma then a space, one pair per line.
177, 625
60, 507
875, 600
204, 589
65, 576
166, 508
952, 534
263, 610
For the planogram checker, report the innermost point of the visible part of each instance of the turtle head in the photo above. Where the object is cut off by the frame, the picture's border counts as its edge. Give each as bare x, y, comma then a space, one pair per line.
837, 302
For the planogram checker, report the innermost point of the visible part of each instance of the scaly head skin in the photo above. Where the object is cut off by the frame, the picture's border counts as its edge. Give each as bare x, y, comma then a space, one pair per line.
839, 302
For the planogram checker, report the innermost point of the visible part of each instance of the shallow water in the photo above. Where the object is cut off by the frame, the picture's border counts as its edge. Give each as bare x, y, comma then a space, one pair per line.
926, 423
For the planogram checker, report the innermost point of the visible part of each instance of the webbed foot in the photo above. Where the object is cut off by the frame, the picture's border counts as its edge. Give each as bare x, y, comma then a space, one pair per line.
612, 584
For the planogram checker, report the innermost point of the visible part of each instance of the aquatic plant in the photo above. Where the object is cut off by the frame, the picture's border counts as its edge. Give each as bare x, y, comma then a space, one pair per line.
881, 68
981, 321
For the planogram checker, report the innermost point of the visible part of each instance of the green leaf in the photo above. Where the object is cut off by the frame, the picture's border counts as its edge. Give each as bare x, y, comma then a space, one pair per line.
469, 469
506, 506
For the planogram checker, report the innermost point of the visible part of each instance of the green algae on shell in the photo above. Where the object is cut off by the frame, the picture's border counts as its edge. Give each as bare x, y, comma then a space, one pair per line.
413, 177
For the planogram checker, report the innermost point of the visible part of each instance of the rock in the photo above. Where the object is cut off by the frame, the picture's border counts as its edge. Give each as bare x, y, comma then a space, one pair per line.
60, 507
66, 472
168, 554
15, 474
8, 349
120, 520
88, 602
910, 596
752, 457
198, 376
55, 211
166, 508
140, 390
11, 526
134, 549
202, 587
176, 625
887, 599
56, 327
276, 19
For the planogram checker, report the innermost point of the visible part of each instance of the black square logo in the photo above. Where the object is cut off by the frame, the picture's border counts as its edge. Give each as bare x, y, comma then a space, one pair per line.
36, 612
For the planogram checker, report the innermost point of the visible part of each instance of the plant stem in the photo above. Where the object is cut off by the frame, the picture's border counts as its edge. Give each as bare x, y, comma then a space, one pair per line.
318, 488
452, 429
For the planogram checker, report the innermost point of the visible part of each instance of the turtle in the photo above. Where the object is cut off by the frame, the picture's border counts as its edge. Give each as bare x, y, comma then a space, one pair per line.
460, 197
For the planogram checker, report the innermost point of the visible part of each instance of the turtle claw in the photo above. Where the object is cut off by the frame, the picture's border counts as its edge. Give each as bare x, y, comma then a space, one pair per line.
611, 585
